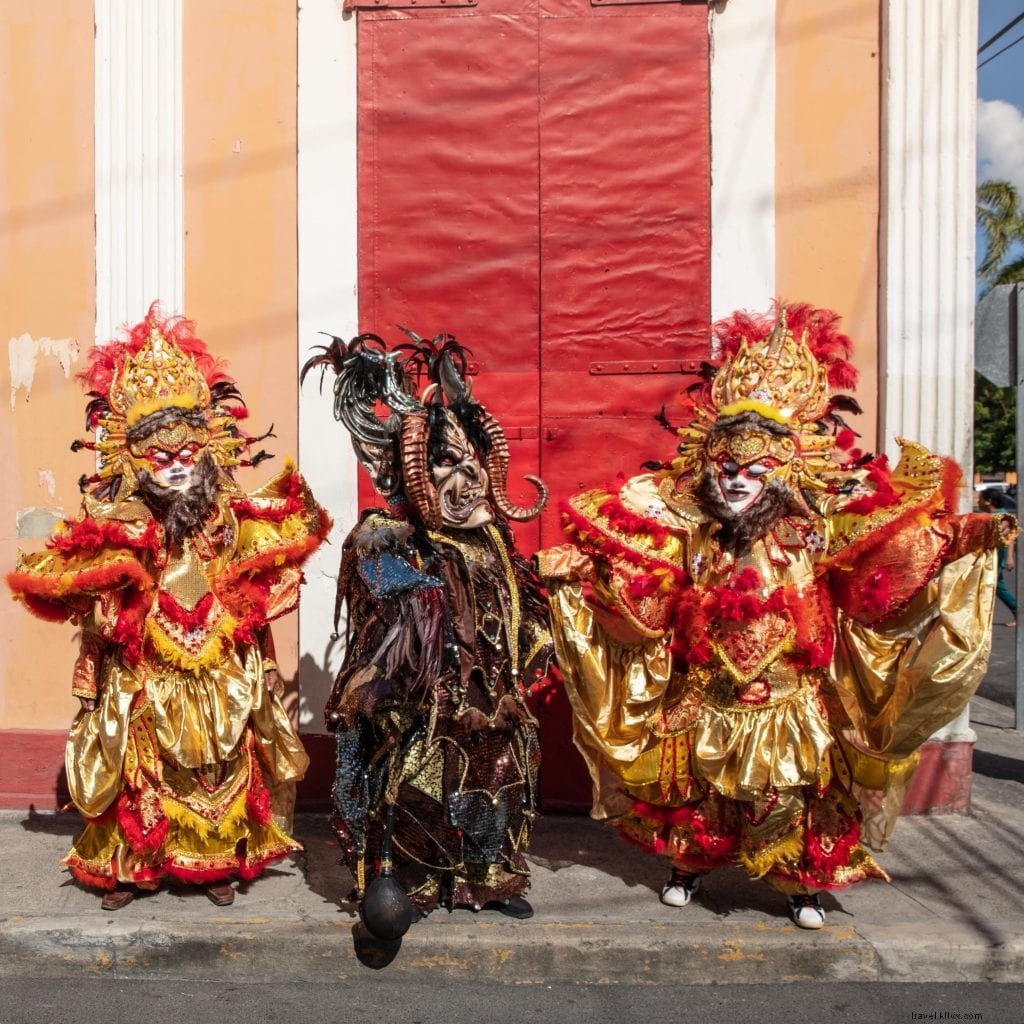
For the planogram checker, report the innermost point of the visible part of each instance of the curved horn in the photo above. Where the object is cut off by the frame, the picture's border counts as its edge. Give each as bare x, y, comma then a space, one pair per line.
416, 468
451, 372
497, 470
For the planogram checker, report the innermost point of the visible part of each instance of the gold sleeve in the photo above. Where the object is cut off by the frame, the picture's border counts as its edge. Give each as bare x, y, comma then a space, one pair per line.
902, 680
613, 688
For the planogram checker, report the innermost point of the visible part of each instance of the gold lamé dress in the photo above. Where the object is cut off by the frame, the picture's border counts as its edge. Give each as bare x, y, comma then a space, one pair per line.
174, 768
766, 710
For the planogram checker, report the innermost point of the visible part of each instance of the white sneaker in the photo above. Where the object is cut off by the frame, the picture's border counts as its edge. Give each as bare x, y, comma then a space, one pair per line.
806, 911
679, 889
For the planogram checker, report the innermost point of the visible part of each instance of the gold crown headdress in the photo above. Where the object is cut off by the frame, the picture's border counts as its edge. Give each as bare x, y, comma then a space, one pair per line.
778, 378
780, 368
159, 375
162, 376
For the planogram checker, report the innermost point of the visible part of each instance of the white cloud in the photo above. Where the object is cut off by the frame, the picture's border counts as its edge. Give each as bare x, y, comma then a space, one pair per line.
1000, 142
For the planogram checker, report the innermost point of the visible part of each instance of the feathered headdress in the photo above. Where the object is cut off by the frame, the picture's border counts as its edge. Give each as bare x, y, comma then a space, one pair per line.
158, 385
781, 366
420, 385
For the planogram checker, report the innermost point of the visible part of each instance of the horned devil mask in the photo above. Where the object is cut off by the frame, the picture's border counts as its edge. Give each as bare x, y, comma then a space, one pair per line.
438, 449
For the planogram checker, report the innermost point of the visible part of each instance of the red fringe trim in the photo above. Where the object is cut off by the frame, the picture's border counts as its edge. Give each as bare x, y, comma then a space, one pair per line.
290, 554
201, 876
105, 883
621, 519
259, 805
140, 840
717, 849
291, 503
198, 876
257, 796
250, 871
182, 616
592, 534
82, 581
883, 496
130, 626
90, 535
826, 864
811, 616
666, 815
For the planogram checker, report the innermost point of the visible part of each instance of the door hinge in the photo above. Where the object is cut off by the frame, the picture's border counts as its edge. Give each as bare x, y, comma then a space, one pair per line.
611, 366
634, 3
392, 5
521, 433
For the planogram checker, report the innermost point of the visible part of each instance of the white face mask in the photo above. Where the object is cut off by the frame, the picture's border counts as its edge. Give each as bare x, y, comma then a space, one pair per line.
741, 486
461, 484
173, 471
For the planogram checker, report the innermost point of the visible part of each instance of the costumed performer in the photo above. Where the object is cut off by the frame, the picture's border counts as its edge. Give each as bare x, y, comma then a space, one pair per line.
172, 574
446, 628
757, 637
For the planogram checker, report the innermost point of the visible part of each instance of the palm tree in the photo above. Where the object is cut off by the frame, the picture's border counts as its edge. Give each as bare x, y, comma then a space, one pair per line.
1001, 218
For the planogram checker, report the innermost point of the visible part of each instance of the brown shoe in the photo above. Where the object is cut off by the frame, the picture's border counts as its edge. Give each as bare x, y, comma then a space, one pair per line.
116, 899
221, 895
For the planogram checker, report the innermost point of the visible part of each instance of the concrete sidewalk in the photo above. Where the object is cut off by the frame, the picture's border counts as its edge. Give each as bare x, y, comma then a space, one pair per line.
954, 910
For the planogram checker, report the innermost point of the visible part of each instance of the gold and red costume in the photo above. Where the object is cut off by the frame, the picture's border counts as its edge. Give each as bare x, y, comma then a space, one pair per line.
172, 766
763, 705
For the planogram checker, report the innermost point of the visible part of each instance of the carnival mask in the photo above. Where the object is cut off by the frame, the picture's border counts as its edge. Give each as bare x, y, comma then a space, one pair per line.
741, 486
169, 454
173, 469
461, 482
745, 461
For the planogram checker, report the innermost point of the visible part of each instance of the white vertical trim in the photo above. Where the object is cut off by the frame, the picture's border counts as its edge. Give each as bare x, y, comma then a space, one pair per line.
742, 155
139, 181
929, 93
328, 301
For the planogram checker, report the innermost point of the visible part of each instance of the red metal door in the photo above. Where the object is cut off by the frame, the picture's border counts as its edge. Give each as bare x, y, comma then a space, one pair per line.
534, 179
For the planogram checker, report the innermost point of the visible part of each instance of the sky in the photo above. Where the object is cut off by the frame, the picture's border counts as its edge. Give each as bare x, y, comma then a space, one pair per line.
1001, 95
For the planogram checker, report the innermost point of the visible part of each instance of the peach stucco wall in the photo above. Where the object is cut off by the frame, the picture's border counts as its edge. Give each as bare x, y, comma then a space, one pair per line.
239, 74
827, 172
47, 306
240, 216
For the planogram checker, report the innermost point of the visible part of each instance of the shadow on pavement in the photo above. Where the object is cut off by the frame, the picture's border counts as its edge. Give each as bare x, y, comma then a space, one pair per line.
66, 824
996, 766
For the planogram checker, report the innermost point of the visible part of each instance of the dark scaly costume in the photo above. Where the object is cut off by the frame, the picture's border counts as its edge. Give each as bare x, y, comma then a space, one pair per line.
446, 627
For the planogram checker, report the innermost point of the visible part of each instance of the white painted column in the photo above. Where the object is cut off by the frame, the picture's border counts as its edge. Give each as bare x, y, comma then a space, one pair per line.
927, 307
327, 243
742, 155
139, 181
928, 171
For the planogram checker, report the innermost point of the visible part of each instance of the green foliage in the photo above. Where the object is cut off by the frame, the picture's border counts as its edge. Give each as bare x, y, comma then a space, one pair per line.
1001, 220
994, 427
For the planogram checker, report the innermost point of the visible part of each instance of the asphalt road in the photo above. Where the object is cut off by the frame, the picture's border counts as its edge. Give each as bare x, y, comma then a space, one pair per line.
375, 999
